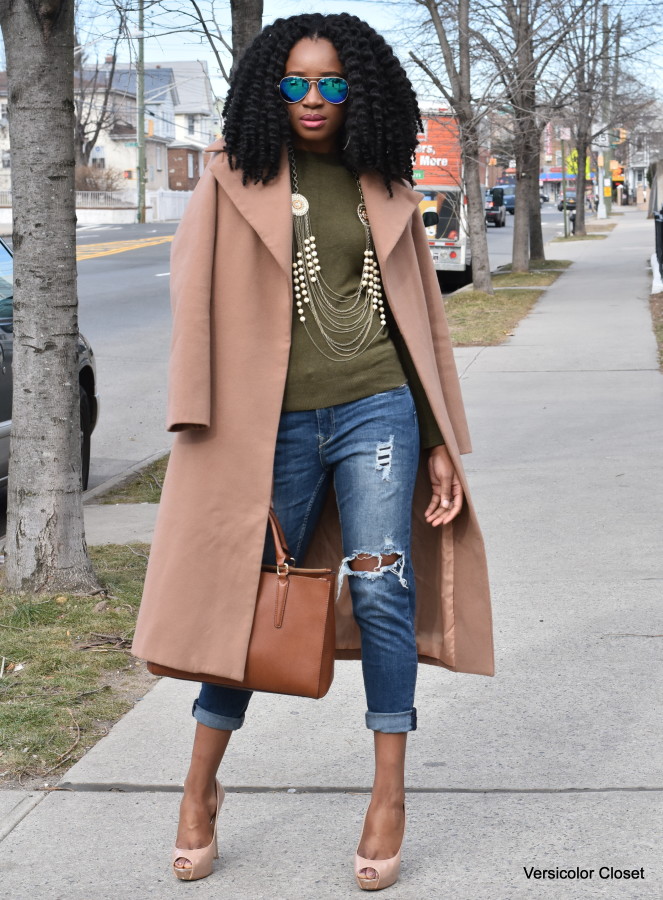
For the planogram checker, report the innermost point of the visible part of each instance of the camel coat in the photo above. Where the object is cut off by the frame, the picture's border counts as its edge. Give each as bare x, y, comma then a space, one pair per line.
231, 292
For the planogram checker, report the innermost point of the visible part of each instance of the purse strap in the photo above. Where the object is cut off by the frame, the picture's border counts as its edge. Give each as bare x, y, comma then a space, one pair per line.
280, 543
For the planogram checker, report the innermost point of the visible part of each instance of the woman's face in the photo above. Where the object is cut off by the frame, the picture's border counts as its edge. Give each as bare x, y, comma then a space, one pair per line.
315, 123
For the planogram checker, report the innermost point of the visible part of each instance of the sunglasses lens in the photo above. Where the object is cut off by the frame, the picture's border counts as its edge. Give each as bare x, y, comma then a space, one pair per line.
293, 89
333, 90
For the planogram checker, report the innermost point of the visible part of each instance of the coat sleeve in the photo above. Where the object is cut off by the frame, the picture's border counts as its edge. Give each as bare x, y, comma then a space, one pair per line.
444, 356
191, 272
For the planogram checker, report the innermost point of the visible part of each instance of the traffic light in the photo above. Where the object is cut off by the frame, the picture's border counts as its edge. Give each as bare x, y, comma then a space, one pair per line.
623, 134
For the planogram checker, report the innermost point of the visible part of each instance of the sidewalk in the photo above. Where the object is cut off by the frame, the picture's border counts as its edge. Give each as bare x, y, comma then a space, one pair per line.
555, 762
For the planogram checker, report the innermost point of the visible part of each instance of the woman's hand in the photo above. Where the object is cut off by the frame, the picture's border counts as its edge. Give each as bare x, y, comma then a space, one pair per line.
447, 498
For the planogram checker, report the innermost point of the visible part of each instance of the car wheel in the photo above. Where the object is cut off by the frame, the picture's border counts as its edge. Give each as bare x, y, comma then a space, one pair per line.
86, 438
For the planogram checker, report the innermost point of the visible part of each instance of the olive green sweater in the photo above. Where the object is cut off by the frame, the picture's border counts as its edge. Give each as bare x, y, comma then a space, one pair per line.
313, 380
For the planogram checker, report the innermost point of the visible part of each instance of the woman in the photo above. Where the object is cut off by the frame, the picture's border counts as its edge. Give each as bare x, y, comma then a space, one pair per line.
297, 383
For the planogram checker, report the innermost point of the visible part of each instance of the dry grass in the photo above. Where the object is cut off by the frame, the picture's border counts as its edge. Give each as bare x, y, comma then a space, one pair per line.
541, 265
525, 279
579, 237
479, 319
68, 674
656, 306
597, 227
143, 488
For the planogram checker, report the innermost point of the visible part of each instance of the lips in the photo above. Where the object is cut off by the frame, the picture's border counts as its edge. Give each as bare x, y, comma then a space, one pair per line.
313, 122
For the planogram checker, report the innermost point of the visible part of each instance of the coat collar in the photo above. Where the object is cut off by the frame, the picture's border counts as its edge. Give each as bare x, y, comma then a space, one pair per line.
267, 208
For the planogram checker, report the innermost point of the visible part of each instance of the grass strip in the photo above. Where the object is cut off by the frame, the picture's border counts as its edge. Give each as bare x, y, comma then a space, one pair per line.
480, 319
540, 265
597, 227
68, 675
525, 279
656, 307
143, 488
579, 237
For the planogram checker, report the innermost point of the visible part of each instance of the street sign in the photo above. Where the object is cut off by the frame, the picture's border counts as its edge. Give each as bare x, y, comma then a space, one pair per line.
131, 143
602, 141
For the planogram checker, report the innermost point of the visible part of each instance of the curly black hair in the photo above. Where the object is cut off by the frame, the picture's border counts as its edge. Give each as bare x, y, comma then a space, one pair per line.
382, 115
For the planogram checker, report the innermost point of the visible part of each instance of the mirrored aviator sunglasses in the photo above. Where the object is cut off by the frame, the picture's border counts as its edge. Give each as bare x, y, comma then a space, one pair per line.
333, 89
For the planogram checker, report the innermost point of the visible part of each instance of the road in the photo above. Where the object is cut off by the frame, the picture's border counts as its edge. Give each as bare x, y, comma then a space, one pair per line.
124, 311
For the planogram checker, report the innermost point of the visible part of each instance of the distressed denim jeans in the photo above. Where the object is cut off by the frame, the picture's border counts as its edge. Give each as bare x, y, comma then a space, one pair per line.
370, 447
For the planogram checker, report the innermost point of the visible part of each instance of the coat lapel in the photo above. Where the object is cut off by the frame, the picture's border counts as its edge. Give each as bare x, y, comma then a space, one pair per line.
388, 215
267, 208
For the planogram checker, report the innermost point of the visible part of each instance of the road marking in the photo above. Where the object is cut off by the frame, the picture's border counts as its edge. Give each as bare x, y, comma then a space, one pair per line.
91, 251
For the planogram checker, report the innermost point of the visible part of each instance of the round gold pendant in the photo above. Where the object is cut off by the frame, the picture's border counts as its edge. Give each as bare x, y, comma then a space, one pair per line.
363, 215
299, 205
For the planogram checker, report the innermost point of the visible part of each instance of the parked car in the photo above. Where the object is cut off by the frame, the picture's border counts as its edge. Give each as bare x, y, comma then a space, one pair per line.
544, 198
494, 206
510, 203
86, 374
570, 198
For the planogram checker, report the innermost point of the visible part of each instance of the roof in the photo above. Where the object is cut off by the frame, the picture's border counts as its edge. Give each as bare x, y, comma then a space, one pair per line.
194, 89
158, 82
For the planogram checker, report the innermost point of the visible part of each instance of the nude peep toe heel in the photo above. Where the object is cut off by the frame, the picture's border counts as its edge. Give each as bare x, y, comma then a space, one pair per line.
200, 859
388, 869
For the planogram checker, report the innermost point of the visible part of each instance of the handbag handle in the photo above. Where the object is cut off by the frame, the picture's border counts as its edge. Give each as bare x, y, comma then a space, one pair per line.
279, 538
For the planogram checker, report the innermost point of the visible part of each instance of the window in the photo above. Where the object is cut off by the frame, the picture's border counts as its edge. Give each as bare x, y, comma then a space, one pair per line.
98, 162
3, 110
150, 173
191, 124
159, 156
189, 160
6, 159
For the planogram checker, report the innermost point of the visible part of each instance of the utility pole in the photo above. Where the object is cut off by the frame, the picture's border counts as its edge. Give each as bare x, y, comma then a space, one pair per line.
140, 102
607, 115
564, 210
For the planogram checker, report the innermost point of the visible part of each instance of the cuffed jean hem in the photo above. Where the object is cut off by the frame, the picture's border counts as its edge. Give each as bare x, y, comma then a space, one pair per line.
214, 720
392, 723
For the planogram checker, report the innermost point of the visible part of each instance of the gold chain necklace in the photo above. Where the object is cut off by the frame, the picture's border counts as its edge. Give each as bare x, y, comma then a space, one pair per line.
337, 315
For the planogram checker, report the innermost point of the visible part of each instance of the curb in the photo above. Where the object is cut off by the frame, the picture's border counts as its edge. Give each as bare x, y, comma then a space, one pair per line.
657, 283
120, 479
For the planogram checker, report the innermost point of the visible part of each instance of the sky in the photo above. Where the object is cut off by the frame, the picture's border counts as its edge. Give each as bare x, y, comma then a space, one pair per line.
386, 16
389, 17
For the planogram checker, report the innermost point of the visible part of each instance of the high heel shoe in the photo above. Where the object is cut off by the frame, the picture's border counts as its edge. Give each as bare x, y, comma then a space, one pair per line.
388, 869
201, 858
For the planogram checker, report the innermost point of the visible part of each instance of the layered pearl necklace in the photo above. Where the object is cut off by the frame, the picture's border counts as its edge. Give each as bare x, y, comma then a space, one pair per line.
336, 315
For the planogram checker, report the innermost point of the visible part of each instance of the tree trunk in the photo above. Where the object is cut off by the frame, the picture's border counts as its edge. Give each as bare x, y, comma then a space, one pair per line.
582, 145
476, 209
246, 23
536, 245
520, 254
46, 548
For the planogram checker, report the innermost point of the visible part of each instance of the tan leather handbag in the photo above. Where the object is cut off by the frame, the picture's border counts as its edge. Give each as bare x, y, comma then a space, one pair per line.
293, 639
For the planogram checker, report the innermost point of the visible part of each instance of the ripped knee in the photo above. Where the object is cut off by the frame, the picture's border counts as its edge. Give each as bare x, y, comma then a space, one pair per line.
364, 564
367, 563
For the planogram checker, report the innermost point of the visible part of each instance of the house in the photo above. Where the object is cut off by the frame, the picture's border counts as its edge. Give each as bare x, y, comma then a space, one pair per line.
196, 123
644, 150
181, 119
117, 147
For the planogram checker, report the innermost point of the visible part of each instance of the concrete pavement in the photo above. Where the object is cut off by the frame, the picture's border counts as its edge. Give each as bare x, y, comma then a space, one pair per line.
555, 762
